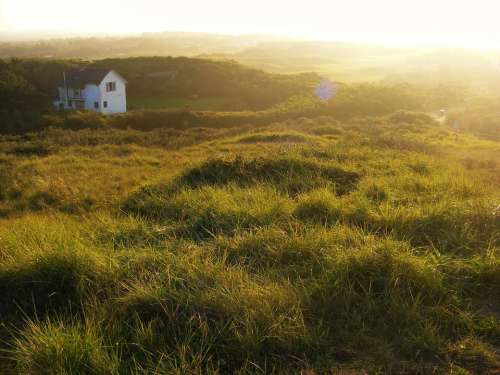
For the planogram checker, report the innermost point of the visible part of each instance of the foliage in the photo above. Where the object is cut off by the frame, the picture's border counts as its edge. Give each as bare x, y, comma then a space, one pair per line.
20, 104
309, 245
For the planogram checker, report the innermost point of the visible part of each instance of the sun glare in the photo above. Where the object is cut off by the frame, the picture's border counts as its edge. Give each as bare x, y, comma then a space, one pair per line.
467, 23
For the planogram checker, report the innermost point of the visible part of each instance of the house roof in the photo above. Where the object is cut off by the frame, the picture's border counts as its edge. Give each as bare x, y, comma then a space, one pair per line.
80, 78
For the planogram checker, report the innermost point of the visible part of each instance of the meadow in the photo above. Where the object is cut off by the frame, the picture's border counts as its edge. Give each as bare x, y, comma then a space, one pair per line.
305, 245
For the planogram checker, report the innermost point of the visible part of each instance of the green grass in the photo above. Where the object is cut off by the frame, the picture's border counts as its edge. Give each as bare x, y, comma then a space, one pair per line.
310, 245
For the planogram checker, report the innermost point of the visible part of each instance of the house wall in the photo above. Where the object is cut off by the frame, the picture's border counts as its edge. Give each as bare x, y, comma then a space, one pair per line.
116, 100
92, 95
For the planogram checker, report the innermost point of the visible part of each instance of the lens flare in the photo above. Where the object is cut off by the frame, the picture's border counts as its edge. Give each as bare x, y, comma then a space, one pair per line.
326, 90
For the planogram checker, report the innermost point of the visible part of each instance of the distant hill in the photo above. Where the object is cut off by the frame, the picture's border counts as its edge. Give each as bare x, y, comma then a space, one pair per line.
95, 47
346, 62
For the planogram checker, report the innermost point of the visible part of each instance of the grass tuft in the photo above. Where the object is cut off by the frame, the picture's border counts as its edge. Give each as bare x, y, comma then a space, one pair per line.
59, 348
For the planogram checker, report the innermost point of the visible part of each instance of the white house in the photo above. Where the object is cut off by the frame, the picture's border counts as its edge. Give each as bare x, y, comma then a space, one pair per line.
98, 90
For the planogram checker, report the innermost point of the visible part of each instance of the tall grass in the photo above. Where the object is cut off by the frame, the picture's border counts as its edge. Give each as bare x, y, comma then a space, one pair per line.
365, 246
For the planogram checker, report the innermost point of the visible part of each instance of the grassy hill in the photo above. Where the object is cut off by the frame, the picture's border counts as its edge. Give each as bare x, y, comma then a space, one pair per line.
313, 245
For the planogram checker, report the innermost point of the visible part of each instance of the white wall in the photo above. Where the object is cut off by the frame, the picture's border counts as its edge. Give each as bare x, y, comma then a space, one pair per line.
117, 100
92, 95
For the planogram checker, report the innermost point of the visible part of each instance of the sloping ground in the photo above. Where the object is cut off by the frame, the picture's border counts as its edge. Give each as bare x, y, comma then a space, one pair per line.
365, 247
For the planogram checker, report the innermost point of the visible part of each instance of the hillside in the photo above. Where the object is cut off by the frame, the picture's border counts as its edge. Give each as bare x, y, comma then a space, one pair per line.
148, 44
313, 245
340, 61
172, 78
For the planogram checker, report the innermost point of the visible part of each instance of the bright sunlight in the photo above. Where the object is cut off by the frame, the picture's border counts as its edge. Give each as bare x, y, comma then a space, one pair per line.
458, 23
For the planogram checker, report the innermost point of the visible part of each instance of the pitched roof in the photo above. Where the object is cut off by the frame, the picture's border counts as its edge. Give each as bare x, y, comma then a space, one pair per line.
82, 77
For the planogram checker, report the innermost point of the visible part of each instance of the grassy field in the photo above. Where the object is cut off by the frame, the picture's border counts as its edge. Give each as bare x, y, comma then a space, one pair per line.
311, 246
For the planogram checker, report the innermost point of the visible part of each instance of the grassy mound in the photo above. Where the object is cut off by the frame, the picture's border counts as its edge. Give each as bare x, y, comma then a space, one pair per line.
55, 280
59, 348
375, 291
275, 252
225, 196
212, 210
212, 312
450, 225
287, 174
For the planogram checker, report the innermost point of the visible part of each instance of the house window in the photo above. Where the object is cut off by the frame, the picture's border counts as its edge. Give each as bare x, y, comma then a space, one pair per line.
77, 93
70, 103
110, 86
105, 104
96, 105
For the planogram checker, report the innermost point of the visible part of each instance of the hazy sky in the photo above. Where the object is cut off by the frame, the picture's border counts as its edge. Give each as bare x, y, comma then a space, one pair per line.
459, 22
